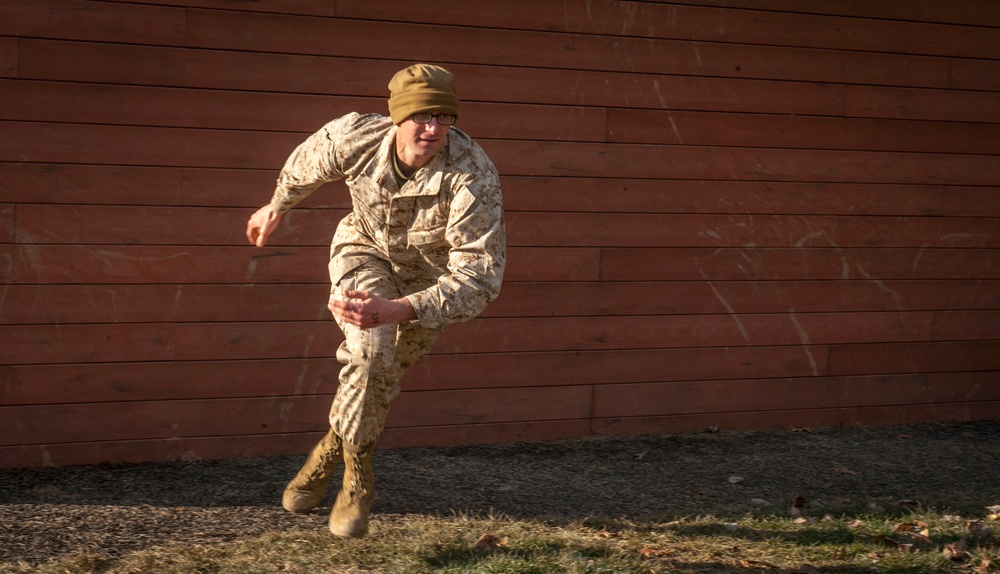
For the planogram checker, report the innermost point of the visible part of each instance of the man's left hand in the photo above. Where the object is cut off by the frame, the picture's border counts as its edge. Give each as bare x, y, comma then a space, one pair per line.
366, 310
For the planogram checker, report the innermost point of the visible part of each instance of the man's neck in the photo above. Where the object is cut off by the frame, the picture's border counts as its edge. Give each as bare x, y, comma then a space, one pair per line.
409, 165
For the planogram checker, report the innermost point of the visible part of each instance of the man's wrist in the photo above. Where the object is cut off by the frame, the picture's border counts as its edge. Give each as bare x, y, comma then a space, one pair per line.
405, 312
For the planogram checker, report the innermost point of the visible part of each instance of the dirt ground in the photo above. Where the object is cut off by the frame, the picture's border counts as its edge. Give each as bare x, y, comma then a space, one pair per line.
116, 509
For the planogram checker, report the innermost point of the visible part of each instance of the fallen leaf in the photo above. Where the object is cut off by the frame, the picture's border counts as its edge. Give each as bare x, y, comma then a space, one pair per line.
714, 428
801, 520
855, 523
956, 551
639, 456
984, 567
490, 541
655, 553
794, 429
841, 469
887, 541
759, 502
843, 500
904, 436
603, 533
910, 526
977, 528
735, 479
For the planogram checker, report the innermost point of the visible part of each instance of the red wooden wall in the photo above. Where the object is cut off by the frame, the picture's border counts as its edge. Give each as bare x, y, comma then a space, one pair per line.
743, 213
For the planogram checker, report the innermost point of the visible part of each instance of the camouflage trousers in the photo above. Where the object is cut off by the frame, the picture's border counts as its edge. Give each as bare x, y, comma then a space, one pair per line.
374, 359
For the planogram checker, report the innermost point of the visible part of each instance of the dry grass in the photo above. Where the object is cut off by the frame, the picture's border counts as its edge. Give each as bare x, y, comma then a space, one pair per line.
755, 543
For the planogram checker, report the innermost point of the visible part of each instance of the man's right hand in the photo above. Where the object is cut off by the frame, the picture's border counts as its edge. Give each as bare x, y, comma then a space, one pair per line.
261, 225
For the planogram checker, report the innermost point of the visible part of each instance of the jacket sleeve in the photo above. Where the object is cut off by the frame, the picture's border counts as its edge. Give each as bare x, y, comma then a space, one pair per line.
476, 258
312, 164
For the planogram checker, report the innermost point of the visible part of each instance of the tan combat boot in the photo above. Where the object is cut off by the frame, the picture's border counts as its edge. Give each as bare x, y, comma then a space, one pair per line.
349, 518
305, 491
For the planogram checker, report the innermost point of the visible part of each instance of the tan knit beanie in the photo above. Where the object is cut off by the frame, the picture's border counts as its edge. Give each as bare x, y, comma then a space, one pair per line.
422, 88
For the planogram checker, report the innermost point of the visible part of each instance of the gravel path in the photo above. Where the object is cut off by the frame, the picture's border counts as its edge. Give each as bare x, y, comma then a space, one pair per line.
116, 509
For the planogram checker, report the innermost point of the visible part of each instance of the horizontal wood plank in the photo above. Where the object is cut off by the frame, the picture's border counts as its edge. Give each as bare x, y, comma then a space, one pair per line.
93, 21
799, 132
87, 422
654, 264
50, 383
930, 357
677, 398
800, 419
680, 331
905, 103
960, 325
554, 194
971, 12
274, 6
86, 343
153, 186
579, 367
606, 298
487, 406
633, 230
758, 164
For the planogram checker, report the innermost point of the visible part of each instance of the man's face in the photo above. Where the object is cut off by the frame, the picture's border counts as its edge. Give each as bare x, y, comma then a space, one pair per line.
417, 143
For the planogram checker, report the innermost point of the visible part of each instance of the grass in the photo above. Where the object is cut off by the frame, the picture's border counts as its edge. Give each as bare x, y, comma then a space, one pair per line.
911, 542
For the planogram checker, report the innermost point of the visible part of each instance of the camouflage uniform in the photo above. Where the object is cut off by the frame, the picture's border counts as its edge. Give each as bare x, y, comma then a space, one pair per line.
438, 241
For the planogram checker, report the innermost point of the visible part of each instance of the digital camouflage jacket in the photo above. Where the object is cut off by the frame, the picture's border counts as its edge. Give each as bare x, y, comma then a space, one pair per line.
442, 232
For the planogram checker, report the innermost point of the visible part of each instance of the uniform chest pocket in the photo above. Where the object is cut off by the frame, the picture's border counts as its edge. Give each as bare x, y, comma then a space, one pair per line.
427, 237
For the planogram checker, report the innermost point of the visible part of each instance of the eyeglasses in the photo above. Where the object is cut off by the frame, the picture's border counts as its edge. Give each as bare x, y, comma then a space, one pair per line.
443, 119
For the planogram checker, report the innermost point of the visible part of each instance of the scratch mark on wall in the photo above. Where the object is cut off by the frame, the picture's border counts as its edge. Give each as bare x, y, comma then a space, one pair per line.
808, 236
177, 301
673, 126
896, 300
920, 255
285, 410
806, 344
729, 309
251, 270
